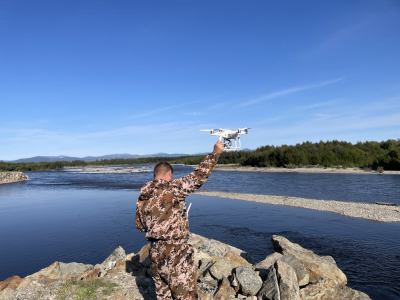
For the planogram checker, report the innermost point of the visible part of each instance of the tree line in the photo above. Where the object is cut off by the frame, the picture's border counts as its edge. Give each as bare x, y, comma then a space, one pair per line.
385, 154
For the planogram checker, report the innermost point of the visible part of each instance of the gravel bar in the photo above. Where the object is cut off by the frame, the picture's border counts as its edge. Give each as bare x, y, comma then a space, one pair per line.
373, 212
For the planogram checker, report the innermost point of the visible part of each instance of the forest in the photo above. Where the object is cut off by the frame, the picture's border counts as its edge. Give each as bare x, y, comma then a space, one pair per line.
334, 153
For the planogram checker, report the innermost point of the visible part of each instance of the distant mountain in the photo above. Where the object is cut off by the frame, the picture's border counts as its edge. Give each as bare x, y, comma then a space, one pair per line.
110, 156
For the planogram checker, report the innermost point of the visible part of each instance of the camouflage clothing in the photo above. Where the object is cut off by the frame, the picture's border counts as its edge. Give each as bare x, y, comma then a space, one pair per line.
173, 270
161, 213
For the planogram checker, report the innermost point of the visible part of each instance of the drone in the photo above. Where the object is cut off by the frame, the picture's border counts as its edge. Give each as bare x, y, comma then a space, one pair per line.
227, 135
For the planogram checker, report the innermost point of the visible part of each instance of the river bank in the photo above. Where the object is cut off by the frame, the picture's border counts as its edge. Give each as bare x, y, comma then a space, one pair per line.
108, 170
10, 177
373, 212
222, 272
331, 170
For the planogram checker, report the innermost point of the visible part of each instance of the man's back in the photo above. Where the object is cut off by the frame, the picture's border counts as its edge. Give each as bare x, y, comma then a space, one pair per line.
161, 208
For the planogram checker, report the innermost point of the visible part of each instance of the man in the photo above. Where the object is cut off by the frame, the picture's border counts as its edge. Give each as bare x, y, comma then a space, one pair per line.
161, 213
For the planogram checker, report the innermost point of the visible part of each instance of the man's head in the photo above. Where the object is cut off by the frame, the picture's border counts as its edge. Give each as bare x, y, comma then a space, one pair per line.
163, 170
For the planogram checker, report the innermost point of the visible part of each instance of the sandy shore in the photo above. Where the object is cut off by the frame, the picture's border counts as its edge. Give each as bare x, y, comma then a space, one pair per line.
302, 170
374, 212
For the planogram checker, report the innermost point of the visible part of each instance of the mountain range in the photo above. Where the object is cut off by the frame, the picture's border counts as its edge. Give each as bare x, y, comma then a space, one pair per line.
36, 159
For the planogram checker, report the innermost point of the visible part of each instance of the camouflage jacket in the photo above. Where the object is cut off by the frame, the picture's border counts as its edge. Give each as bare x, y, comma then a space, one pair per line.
161, 208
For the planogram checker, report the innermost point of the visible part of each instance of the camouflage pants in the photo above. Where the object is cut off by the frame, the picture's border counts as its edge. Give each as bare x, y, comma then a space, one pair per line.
173, 270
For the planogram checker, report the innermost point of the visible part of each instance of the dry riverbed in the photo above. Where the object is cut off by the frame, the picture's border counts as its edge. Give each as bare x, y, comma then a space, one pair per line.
374, 212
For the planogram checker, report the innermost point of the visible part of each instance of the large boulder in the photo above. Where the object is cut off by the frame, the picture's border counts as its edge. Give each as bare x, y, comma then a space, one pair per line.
270, 287
328, 289
264, 265
236, 259
116, 256
316, 266
250, 283
221, 268
212, 249
287, 281
60, 271
301, 273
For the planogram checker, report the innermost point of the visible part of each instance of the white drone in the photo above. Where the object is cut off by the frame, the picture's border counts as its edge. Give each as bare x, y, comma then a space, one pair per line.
227, 135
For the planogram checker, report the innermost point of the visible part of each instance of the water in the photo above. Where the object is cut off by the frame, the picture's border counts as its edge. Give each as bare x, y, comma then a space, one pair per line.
69, 216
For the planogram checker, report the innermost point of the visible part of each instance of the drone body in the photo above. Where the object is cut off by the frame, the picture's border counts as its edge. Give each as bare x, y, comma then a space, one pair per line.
227, 135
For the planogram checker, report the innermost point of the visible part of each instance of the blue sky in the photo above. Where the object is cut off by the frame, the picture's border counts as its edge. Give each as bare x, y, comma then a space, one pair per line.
101, 77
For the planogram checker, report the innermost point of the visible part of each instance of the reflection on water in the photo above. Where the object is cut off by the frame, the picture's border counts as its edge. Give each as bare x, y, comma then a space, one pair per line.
61, 216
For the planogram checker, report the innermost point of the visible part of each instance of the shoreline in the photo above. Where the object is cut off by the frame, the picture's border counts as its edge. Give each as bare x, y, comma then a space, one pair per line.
330, 170
372, 212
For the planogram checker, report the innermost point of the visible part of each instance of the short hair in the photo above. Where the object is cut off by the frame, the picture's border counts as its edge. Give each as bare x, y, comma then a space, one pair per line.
162, 168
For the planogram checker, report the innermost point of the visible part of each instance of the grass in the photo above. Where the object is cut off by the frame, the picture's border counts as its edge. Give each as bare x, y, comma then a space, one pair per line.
82, 290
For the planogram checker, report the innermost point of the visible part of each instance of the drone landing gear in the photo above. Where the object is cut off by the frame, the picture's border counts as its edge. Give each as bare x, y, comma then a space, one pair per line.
228, 143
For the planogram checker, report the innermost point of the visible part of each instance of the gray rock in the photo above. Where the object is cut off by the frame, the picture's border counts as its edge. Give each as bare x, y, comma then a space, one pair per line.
287, 281
264, 265
212, 249
316, 267
6, 293
301, 273
249, 282
328, 289
117, 255
207, 287
270, 287
205, 265
9, 177
221, 268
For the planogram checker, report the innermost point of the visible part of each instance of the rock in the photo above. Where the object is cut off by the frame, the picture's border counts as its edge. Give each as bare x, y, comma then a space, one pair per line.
200, 255
6, 293
270, 287
117, 255
212, 249
236, 260
221, 268
146, 262
328, 289
142, 254
90, 274
129, 256
207, 287
316, 267
204, 266
264, 265
225, 291
249, 282
12, 282
329, 259
9, 177
287, 281
60, 271
301, 273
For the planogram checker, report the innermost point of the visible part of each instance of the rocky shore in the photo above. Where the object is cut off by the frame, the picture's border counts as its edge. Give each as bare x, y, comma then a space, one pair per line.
374, 212
223, 272
9, 177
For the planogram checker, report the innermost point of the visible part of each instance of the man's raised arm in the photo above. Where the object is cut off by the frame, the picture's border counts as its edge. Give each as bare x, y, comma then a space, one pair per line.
186, 185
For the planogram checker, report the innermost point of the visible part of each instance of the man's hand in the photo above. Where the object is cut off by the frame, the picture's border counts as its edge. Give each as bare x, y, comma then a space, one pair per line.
218, 147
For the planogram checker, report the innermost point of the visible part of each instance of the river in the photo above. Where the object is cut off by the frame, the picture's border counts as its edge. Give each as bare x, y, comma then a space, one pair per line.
70, 216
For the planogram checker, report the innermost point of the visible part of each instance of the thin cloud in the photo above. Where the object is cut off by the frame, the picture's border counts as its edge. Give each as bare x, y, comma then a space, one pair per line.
156, 111
289, 91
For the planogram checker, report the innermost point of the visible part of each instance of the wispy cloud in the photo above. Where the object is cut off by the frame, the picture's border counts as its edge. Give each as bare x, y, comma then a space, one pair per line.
289, 91
156, 111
